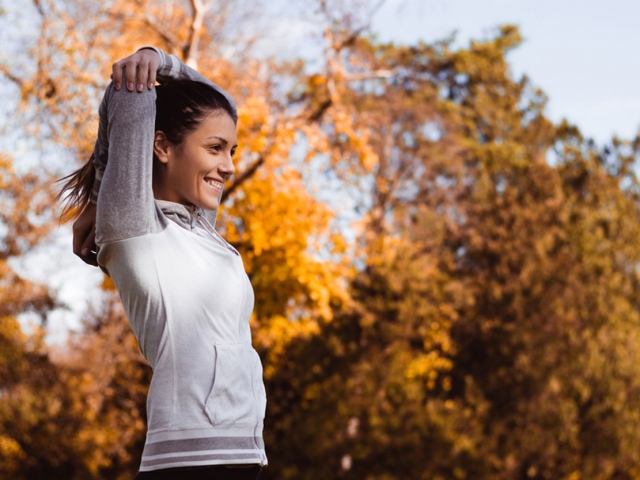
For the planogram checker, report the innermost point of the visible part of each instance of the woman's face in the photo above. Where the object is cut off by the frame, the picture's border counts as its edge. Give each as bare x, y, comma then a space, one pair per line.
194, 172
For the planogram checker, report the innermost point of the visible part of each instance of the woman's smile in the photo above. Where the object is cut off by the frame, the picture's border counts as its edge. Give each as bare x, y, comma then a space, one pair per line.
213, 183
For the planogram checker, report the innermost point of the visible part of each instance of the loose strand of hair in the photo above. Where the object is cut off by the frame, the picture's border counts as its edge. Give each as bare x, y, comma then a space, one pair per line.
75, 193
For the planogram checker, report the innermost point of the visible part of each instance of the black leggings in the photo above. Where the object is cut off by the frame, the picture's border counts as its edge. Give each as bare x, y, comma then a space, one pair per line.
205, 472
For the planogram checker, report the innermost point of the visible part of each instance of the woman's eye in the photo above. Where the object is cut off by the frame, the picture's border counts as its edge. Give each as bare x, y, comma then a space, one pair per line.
216, 148
233, 152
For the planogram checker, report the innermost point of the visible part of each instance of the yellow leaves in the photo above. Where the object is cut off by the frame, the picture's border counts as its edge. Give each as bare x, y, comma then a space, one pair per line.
349, 135
10, 330
510, 37
6, 170
25, 205
284, 235
255, 125
429, 366
290, 250
11, 457
65, 413
16, 348
498, 157
317, 80
281, 217
276, 334
575, 475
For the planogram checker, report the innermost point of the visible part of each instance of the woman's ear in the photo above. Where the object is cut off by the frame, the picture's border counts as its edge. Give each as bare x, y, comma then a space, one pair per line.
161, 147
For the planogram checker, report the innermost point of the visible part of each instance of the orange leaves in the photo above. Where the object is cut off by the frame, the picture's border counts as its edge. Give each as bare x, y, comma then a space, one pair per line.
11, 456
255, 125
428, 366
51, 413
25, 207
276, 334
276, 237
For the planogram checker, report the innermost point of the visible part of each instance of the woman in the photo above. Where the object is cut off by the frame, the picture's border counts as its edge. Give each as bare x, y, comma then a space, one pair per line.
152, 189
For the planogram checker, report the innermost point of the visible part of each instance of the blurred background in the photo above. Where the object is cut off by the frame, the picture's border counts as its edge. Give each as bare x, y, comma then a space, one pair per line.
437, 204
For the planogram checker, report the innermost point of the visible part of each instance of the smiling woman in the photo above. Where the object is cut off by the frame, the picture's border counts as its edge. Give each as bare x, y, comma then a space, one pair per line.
150, 194
192, 169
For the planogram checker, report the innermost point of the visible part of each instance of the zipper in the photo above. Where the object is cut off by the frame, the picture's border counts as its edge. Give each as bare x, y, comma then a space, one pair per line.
206, 225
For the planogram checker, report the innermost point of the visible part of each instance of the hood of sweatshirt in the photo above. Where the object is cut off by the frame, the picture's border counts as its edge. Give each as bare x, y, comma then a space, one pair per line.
200, 222
187, 217
194, 219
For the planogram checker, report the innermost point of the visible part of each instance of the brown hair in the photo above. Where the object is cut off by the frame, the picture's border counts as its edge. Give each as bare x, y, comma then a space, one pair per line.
76, 189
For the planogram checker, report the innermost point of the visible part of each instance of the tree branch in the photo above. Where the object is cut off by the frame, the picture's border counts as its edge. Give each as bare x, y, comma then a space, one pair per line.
5, 71
38, 5
164, 33
248, 173
319, 112
369, 75
191, 48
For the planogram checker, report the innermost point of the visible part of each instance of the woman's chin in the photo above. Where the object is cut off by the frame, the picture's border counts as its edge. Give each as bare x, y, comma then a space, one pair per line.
207, 199
207, 204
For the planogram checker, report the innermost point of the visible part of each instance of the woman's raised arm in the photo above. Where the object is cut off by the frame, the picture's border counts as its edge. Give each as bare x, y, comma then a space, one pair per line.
126, 135
124, 152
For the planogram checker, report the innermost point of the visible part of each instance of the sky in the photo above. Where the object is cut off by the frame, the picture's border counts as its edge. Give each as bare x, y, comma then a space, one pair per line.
583, 54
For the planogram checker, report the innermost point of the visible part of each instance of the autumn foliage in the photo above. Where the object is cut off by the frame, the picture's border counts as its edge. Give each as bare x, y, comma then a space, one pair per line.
446, 281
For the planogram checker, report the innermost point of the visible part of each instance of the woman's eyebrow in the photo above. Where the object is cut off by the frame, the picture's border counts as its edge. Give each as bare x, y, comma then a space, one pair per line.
224, 142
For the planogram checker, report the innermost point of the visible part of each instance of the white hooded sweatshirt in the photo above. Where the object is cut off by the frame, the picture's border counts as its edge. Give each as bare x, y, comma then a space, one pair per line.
185, 292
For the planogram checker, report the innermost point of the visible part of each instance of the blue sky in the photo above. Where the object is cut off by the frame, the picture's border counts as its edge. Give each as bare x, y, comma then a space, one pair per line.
585, 54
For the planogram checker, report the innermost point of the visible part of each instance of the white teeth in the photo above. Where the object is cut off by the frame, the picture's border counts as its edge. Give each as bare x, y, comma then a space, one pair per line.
214, 183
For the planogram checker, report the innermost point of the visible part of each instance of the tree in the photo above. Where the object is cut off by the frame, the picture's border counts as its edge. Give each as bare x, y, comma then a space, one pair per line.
23, 219
531, 360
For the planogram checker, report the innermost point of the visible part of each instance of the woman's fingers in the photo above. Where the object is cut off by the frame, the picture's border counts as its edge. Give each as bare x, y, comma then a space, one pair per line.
130, 73
153, 68
89, 249
116, 75
85, 246
137, 71
125, 70
143, 74
84, 235
78, 238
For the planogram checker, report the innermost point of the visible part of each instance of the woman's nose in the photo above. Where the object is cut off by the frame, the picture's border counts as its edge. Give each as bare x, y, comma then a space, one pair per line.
227, 168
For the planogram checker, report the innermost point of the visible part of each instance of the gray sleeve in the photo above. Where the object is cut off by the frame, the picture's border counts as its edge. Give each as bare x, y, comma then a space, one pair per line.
125, 206
123, 156
100, 153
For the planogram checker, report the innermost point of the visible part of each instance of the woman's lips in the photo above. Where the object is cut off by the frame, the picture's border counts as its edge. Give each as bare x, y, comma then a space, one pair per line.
217, 184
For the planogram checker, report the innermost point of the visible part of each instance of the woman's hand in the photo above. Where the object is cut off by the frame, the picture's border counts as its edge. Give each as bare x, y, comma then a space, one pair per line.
84, 235
136, 70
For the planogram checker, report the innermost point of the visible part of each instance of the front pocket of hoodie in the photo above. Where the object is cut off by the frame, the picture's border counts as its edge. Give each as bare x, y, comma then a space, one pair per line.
233, 399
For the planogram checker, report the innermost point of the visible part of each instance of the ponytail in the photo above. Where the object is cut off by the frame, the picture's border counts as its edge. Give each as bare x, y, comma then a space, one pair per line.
75, 192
